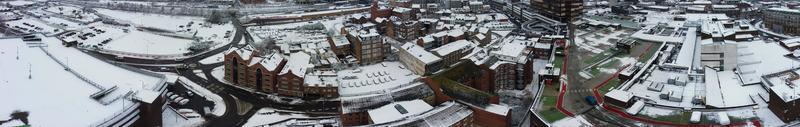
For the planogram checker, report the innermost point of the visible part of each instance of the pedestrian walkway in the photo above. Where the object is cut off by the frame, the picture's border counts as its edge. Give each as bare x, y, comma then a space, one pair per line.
215, 88
560, 102
579, 91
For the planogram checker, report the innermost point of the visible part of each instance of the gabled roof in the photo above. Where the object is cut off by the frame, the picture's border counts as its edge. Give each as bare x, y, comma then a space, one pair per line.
420, 54
298, 64
454, 46
243, 52
272, 61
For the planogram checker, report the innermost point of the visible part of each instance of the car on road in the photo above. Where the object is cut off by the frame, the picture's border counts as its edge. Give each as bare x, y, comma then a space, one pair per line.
591, 100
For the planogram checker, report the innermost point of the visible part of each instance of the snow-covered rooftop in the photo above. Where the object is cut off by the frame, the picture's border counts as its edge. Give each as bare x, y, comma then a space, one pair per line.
271, 117
448, 48
271, 61
497, 109
401, 10
340, 41
715, 29
784, 84
758, 58
420, 53
620, 95
688, 49
244, 52
298, 64
785, 10
723, 89
511, 51
446, 114
398, 110
374, 78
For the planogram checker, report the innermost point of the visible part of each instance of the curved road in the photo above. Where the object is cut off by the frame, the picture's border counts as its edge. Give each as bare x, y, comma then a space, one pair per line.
239, 33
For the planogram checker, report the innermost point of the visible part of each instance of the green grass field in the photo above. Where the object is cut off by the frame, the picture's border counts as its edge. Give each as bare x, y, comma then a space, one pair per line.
649, 54
613, 83
549, 99
678, 117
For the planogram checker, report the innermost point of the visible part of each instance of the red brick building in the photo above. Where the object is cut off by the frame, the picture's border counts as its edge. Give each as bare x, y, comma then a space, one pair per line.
274, 74
244, 68
492, 115
292, 78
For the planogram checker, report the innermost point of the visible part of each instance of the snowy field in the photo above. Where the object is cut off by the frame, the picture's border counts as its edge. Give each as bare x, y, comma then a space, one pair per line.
72, 12
175, 38
97, 70
55, 97
147, 43
17, 3
164, 22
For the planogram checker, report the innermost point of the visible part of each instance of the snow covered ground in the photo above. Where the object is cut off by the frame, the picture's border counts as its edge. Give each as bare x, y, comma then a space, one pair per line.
200, 73
18, 3
30, 25
137, 43
594, 42
62, 23
219, 74
171, 118
171, 35
164, 22
219, 103
73, 12
141, 42
95, 34
52, 96
55, 97
216, 58
97, 70
266, 116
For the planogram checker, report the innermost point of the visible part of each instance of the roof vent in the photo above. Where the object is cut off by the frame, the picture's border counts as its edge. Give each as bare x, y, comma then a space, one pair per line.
400, 109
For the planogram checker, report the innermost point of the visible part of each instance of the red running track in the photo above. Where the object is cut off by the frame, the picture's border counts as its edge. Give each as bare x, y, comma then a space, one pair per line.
563, 85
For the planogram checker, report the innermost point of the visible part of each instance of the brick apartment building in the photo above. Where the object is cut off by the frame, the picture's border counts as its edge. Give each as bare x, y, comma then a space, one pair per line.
453, 52
273, 73
367, 45
782, 20
561, 10
783, 98
418, 60
243, 67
